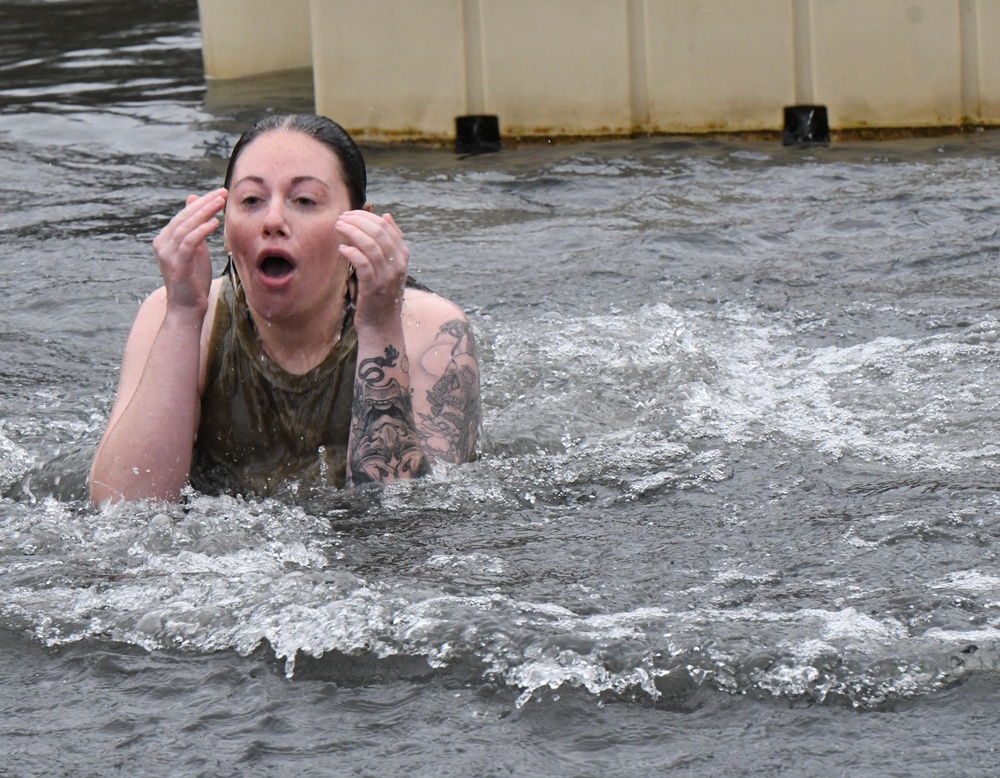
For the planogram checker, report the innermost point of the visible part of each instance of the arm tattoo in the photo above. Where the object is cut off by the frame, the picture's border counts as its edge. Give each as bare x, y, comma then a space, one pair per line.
449, 432
384, 442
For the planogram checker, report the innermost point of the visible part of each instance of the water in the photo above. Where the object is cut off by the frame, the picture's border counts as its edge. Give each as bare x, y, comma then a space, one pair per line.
736, 513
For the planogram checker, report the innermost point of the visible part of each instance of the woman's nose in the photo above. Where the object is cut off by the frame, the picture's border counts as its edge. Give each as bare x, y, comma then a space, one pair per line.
274, 220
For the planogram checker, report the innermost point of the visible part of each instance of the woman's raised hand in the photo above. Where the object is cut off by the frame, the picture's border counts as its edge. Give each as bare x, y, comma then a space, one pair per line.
182, 251
374, 245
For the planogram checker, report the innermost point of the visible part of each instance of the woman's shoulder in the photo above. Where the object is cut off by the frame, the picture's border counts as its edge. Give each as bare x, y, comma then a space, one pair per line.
153, 311
155, 304
436, 329
429, 310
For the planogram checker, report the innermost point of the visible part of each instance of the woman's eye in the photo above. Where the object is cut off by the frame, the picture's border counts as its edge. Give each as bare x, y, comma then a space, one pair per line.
305, 201
250, 200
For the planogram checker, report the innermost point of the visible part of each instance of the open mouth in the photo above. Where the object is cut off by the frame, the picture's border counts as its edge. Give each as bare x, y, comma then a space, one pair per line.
276, 267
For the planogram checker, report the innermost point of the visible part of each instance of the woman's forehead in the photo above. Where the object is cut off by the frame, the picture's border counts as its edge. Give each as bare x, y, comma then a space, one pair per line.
288, 153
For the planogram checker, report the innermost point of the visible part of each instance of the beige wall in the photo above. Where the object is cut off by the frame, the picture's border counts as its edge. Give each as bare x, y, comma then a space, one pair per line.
553, 68
888, 63
251, 37
382, 70
407, 68
986, 104
712, 65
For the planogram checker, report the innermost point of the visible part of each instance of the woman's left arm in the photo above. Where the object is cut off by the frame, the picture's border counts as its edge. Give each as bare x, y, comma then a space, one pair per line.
416, 389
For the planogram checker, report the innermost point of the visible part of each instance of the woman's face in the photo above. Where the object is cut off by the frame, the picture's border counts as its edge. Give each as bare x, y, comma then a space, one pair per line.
284, 200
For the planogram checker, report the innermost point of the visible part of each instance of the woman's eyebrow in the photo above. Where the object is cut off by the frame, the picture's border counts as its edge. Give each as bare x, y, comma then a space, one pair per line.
295, 180
247, 179
307, 179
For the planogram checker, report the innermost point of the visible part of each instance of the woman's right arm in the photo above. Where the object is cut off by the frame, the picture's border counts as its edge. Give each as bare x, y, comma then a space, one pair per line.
147, 448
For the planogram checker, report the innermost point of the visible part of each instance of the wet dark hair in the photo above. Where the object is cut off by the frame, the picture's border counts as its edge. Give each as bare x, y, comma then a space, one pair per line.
327, 132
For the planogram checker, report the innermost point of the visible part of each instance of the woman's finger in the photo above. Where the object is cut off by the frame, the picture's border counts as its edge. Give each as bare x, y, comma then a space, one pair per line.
371, 234
195, 222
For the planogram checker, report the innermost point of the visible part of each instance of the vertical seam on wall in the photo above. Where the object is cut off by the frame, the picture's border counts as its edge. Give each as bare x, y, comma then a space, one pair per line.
315, 45
475, 87
969, 41
802, 48
638, 65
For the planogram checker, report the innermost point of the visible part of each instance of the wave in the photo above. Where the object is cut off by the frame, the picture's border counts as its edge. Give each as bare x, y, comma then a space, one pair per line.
617, 445
224, 575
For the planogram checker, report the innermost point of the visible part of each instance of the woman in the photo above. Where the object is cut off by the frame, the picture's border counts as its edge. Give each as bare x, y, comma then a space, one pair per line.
310, 359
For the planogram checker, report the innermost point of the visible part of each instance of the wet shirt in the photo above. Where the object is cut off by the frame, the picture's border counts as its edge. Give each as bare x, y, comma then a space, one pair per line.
263, 428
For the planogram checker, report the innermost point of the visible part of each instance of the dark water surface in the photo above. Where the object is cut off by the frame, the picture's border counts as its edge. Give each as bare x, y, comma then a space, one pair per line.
737, 510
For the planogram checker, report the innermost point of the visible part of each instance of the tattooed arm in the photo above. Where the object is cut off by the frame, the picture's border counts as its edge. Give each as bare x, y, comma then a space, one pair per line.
384, 444
448, 412
406, 418
445, 377
416, 392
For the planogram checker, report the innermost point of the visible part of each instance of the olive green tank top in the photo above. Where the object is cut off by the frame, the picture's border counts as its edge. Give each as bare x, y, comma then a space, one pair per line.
262, 428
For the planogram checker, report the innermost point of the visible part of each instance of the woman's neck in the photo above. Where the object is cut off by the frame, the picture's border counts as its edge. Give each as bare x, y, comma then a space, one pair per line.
298, 345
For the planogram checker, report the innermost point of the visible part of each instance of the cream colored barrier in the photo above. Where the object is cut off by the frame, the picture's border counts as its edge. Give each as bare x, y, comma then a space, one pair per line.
407, 68
252, 37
